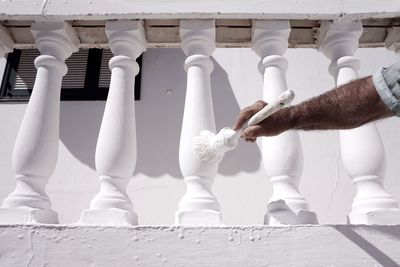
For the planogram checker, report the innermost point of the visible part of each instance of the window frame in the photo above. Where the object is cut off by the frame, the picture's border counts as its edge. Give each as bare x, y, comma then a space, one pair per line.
90, 92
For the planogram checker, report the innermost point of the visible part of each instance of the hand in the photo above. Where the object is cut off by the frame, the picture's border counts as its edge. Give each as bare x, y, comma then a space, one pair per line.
273, 125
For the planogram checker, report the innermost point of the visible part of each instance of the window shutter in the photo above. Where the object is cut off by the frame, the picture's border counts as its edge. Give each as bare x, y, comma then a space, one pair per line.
75, 77
105, 73
88, 76
26, 70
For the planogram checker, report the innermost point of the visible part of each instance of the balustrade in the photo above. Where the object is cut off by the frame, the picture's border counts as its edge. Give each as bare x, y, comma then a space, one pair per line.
36, 147
362, 150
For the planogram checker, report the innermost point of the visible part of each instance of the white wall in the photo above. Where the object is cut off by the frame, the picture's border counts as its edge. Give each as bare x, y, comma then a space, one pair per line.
241, 186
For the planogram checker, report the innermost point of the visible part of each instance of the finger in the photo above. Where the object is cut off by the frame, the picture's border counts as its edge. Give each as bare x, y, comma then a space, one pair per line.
250, 140
246, 113
241, 119
253, 132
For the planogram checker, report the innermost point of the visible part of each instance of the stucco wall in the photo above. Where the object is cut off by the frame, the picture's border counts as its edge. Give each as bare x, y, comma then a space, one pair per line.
237, 246
241, 186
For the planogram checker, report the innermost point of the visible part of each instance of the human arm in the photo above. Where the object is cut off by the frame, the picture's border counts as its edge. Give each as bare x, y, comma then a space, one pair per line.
348, 106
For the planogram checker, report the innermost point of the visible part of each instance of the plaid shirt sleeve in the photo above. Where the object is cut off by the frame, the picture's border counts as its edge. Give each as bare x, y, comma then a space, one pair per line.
387, 84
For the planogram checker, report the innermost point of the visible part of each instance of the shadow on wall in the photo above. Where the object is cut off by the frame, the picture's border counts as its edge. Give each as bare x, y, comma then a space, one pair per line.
246, 157
79, 128
371, 248
158, 119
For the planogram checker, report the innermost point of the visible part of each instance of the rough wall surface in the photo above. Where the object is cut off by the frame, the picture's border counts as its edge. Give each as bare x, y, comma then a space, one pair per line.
340, 245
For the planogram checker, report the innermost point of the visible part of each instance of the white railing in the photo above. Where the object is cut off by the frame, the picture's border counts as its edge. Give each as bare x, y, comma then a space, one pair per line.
35, 151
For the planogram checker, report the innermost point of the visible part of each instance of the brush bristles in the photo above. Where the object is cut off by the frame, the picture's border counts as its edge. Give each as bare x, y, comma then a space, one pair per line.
204, 148
211, 147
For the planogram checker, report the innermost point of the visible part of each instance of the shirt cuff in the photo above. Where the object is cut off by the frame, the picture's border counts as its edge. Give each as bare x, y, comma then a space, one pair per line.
385, 92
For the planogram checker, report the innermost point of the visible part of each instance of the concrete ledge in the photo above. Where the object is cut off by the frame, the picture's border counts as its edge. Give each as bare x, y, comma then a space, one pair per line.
266, 9
330, 245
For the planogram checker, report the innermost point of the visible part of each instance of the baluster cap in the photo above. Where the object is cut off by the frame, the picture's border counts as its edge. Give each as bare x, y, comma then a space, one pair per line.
56, 39
198, 36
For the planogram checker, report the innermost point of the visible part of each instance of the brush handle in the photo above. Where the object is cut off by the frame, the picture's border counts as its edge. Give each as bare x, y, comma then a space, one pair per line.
282, 100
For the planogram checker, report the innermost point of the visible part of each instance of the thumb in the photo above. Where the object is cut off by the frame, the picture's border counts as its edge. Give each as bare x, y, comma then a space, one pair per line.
252, 132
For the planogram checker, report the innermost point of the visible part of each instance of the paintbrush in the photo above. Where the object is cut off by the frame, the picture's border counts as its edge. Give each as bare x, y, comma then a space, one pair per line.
210, 147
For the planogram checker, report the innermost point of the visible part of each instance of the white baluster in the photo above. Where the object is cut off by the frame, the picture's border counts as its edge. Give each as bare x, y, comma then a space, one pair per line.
282, 155
6, 43
116, 145
36, 147
362, 150
198, 206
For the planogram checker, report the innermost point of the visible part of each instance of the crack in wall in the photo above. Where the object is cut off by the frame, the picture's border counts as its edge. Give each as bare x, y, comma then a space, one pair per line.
336, 184
31, 256
44, 6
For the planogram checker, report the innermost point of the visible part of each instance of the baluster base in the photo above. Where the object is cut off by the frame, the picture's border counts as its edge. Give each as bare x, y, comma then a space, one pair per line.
279, 213
381, 217
114, 217
203, 217
26, 215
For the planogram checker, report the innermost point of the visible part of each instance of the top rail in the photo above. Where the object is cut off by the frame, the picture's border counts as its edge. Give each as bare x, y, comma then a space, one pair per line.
199, 9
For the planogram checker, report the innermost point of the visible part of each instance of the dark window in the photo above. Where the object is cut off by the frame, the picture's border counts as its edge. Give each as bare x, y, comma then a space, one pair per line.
88, 76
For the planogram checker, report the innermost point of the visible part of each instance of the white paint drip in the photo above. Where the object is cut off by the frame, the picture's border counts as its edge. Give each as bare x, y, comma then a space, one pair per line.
231, 237
267, 237
259, 237
251, 237
181, 233
197, 241
240, 238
